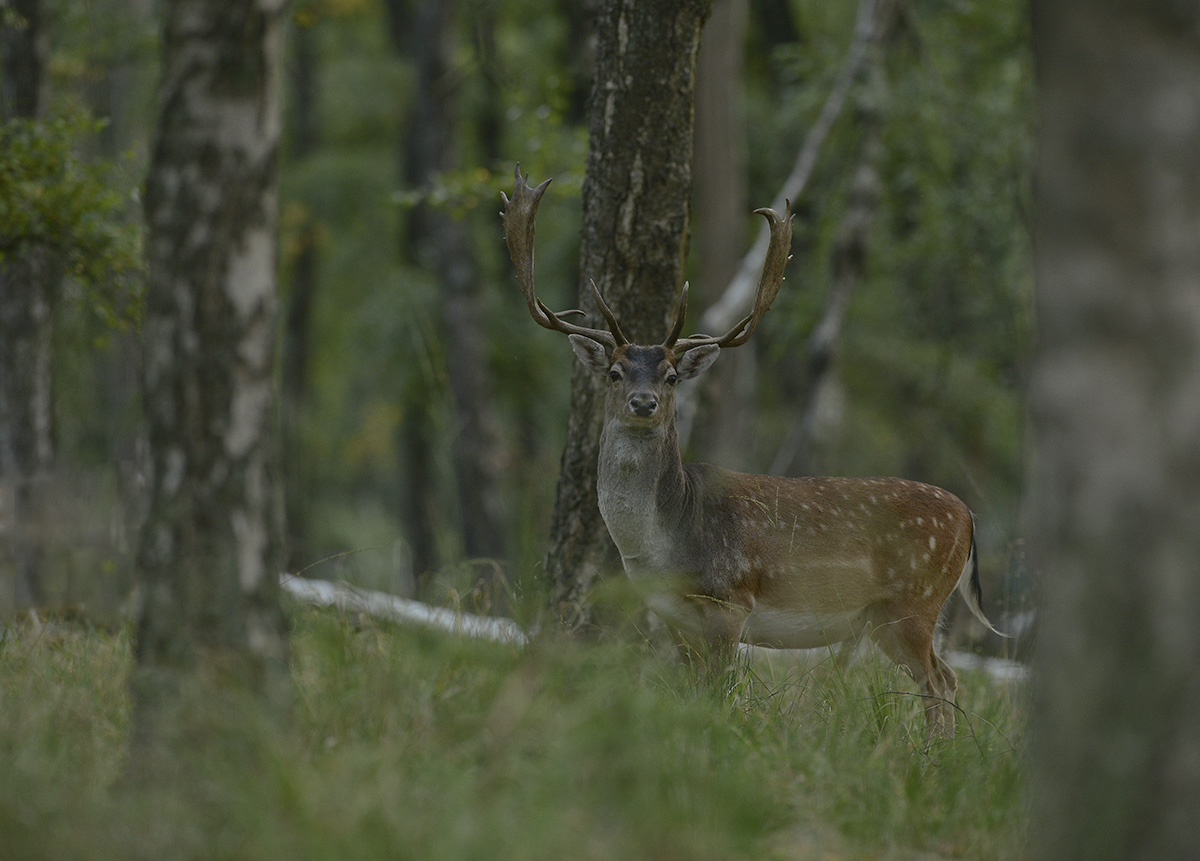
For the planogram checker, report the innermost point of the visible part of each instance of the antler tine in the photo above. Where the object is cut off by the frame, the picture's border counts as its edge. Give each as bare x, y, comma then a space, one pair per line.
609, 316
518, 216
680, 316
778, 254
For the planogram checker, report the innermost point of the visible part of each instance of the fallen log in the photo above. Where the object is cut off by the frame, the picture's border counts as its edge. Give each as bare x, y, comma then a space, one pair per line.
380, 605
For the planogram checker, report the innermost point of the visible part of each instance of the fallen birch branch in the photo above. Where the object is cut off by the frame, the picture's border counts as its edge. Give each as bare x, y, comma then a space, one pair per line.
726, 310
380, 605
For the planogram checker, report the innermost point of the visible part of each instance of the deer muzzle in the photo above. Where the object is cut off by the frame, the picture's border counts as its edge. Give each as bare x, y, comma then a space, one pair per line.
642, 404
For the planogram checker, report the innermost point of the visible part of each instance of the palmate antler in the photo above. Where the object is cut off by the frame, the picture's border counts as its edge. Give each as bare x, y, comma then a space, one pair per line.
519, 213
778, 254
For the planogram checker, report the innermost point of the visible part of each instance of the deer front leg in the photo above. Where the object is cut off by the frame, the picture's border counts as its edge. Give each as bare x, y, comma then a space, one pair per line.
709, 645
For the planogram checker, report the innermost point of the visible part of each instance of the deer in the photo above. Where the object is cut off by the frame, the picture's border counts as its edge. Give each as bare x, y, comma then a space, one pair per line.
724, 557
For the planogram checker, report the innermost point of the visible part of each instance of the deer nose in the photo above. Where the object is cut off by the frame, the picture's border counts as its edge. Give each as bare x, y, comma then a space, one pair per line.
643, 404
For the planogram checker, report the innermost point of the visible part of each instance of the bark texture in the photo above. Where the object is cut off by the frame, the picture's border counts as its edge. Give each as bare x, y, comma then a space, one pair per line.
634, 242
210, 555
1115, 492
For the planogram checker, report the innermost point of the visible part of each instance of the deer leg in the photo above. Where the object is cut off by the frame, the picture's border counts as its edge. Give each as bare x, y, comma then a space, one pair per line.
909, 644
948, 684
846, 650
713, 653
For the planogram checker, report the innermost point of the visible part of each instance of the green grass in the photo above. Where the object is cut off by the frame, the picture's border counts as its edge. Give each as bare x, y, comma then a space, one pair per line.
409, 744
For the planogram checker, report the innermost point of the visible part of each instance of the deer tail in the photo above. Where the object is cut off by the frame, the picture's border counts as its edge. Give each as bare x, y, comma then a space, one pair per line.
969, 588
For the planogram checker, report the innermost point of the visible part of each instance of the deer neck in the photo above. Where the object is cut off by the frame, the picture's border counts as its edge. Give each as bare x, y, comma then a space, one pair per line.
640, 482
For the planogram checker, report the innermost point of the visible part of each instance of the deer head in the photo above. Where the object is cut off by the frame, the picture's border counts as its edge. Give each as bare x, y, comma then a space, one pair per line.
645, 374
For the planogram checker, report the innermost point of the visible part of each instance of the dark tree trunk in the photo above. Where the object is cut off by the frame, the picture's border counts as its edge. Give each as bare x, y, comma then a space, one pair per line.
23, 41
442, 243
26, 426
634, 242
1115, 495
28, 284
297, 327
209, 555
416, 442
579, 53
722, 220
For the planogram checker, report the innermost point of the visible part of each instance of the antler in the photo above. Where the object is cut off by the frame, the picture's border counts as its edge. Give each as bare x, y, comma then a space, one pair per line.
518, 216
768, 286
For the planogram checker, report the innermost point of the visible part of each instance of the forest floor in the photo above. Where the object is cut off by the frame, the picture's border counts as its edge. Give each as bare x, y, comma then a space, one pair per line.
406, 743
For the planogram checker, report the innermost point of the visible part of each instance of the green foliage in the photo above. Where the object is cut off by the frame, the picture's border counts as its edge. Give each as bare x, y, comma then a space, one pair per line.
933, 356
932, 361
378, 361
408, 744
53, 200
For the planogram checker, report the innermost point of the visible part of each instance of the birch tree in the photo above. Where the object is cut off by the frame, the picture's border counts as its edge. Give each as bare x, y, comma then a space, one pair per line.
209, 554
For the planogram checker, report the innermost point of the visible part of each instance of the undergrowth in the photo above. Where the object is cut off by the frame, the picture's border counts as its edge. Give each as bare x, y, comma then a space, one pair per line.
410, 744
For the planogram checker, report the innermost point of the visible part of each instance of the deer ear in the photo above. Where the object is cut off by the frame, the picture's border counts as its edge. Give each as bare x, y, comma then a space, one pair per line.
696, 361
591, 354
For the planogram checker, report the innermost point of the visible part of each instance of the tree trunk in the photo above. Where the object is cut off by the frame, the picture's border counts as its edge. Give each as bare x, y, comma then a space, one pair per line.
1115, 492
23, 41
28, 284
210, 555
634, 242
297, 328
441, 243
722, 219
26, 413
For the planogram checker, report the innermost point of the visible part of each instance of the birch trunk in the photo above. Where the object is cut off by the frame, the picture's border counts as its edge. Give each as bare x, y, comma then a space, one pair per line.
210, 555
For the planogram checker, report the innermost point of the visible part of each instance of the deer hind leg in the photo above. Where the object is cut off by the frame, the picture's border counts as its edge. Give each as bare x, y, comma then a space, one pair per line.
947, 682
908, 642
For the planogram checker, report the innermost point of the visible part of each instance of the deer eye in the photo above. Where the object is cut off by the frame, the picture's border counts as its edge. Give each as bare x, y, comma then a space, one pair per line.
672, 378
614, 375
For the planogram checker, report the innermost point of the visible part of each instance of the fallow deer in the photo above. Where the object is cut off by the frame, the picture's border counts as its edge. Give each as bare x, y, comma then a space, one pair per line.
726, 557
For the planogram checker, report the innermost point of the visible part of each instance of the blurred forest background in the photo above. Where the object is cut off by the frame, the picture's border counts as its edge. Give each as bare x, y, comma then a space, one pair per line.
422, 412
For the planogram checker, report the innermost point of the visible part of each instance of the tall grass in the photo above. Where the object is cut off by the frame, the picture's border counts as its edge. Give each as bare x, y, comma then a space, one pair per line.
409, 744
